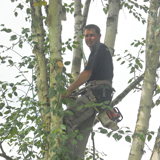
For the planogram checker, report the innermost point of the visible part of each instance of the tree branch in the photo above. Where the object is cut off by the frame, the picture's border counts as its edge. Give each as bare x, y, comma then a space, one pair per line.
85, 13
129, 88
3, 154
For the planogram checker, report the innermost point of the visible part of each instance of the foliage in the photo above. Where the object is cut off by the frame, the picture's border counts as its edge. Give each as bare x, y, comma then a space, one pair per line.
133, 7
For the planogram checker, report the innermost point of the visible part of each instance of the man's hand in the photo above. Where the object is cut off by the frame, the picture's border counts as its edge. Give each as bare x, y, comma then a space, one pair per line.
68, 93
82, 78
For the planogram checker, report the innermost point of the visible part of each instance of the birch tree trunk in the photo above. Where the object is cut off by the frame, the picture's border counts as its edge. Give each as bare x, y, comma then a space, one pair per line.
40, 67
80, 22
156, 151
112, 24
56, 65
77, 53
142, 124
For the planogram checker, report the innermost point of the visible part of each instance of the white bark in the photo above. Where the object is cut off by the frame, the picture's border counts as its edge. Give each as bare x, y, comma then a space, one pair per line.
156, 151
112, 24
85, 14
150, 29
40, 67
80, 22
77, 53
142, 124
54, 23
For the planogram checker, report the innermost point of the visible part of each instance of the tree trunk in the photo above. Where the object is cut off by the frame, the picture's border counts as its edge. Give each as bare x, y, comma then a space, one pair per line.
80, 22
112, 24
54, 23
142, 124
40, 67
77, 53
150, 29
156, 151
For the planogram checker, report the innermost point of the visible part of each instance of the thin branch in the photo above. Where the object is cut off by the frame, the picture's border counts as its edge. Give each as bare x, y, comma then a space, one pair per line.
3, 154
9, 48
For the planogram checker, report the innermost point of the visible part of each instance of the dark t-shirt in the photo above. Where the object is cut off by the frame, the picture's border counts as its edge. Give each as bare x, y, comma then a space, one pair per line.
100, 61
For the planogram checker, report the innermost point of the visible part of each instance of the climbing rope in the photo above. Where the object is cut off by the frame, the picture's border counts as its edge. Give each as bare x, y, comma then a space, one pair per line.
81, 45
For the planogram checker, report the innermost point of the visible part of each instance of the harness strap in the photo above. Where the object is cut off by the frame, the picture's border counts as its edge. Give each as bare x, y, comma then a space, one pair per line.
98, 82
91, 96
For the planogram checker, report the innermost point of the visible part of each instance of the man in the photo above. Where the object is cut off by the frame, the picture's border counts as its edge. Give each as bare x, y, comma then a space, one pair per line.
98, 73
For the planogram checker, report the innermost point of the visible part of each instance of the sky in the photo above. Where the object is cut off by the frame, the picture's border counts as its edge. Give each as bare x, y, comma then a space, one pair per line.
129, 29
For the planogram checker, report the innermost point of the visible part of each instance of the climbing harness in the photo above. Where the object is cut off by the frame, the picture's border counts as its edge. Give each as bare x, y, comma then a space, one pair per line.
108, 117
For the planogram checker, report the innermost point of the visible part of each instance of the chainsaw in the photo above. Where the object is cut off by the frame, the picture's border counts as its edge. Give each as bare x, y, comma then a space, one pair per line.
110, 118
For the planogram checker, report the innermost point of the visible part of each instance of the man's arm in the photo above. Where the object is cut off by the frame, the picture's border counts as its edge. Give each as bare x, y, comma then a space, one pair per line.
82, 78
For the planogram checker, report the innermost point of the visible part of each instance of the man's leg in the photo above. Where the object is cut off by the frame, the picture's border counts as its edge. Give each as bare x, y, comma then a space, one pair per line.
84, 127
81, 120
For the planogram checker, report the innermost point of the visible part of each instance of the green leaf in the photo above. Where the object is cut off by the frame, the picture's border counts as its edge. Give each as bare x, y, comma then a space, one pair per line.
121, 131
30, 66
80, 137
152, 132
13, 131
104, 131
6, 30
13, 37
149, 137
104, 107
109, 134
15, 93
1, 105
74, 142
20, 6
80, 107
10, 95
16, 14
52, 92
1, 114
115, 136
128, 139
119, 59
61, 90
67, 63
123, 62
69, 112
63, 127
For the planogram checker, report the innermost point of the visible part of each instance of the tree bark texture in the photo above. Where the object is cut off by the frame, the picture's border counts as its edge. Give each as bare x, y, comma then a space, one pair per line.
85, 14
150, 29
112, 24
77, 53
54, 23
156, 151
40, 67
142, 124
80, 22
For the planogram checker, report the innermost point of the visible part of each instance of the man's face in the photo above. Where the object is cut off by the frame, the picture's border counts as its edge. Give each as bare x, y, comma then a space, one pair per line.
91, 37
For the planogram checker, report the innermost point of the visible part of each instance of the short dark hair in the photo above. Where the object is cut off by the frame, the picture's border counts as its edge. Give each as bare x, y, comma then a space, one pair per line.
92, 26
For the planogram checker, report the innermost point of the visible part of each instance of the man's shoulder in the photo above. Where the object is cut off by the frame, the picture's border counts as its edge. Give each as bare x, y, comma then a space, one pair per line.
101, 49
101, 46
